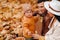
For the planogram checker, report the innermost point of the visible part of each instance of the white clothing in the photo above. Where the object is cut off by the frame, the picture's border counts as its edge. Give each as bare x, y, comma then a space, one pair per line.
54, 32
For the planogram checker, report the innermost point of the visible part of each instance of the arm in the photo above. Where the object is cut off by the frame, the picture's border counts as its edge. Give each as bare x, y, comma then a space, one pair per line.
41, 38
36, 18
55, 35
36, 36
26, 31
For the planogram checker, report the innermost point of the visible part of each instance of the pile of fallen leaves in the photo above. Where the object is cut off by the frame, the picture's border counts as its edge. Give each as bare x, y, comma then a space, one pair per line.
10, 20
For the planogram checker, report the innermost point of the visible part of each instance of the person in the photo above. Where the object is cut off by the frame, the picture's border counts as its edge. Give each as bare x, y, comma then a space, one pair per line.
28, 22
46, 18
53, 7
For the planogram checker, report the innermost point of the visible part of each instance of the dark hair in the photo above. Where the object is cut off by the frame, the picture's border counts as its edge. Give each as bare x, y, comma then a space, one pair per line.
57, 17
39, 1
